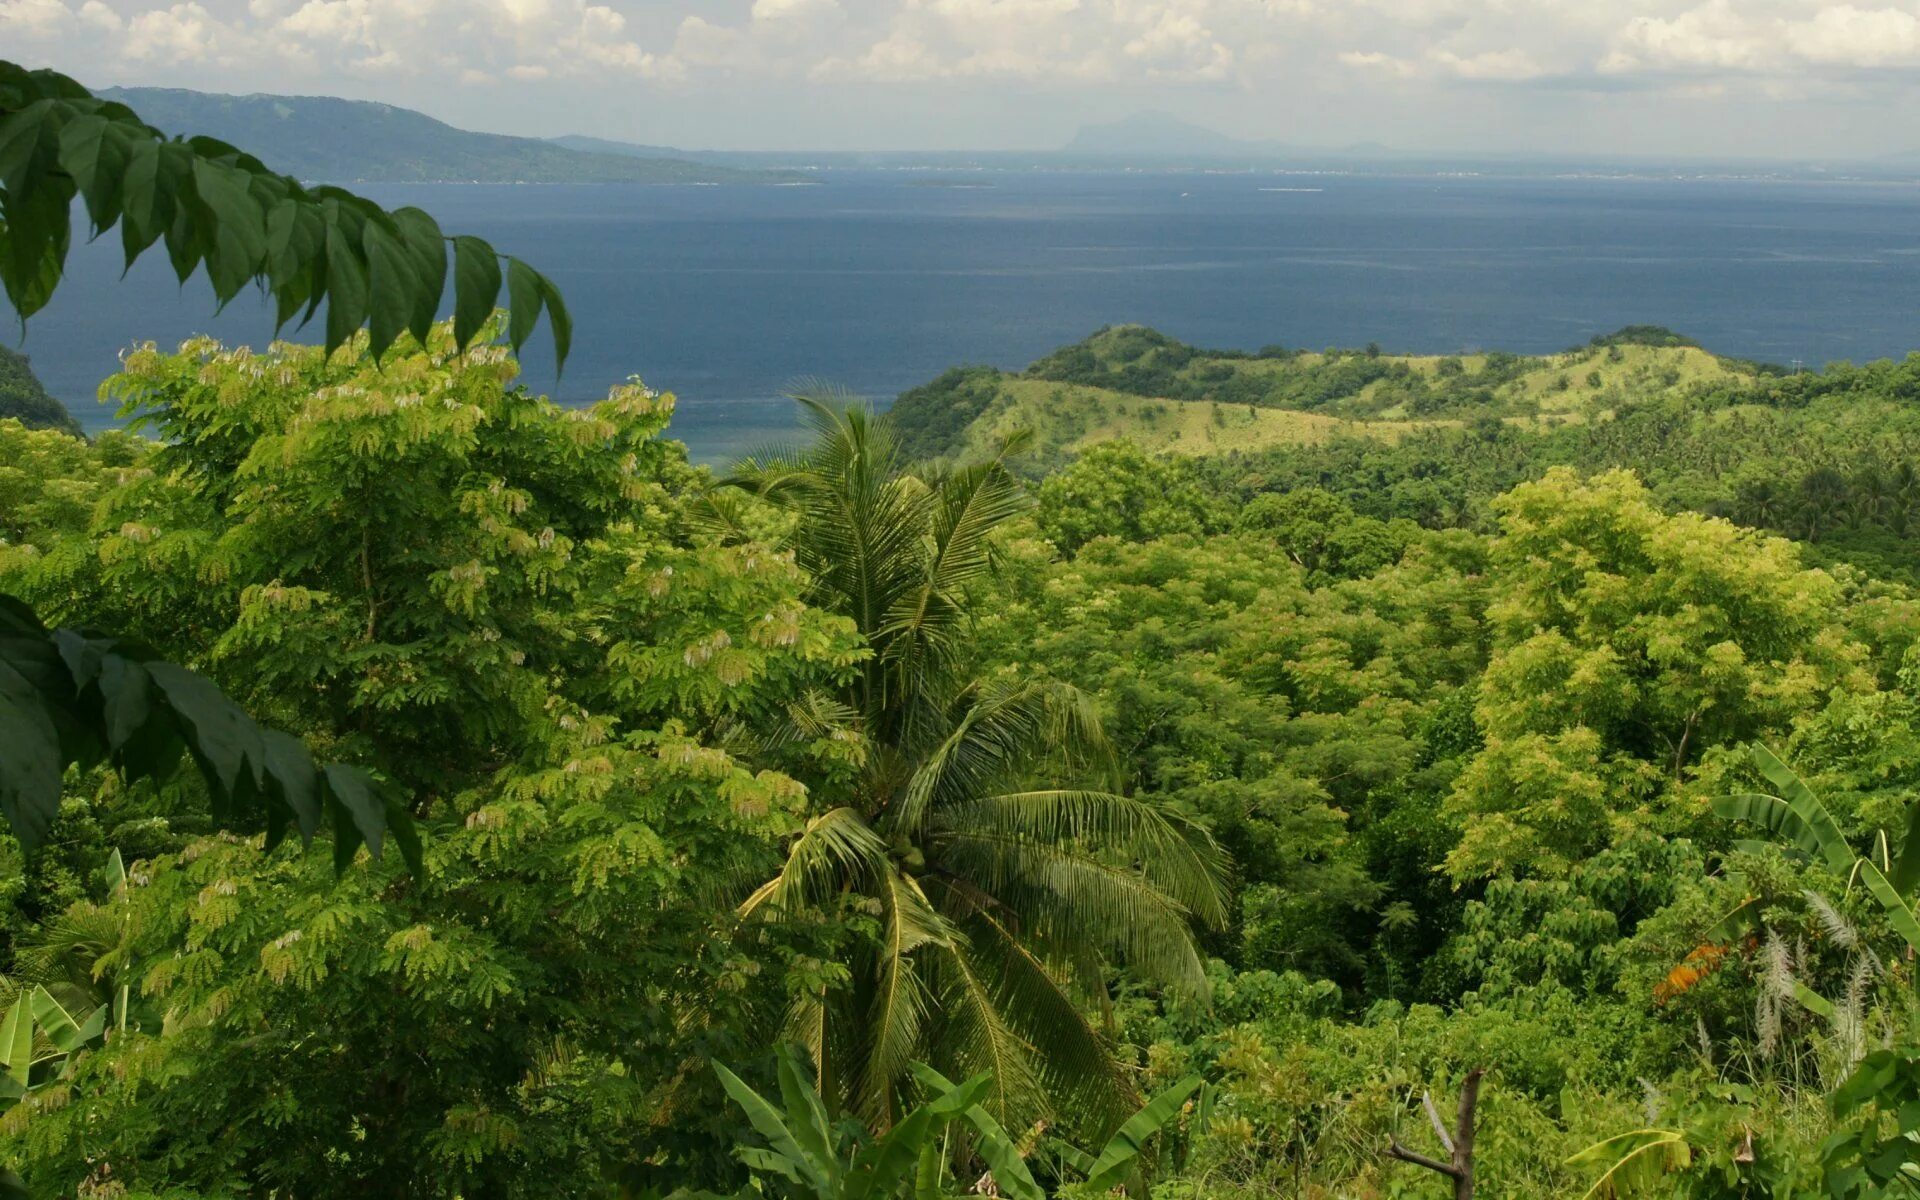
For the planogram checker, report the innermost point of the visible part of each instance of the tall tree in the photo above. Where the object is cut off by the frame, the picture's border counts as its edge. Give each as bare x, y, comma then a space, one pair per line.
999, 892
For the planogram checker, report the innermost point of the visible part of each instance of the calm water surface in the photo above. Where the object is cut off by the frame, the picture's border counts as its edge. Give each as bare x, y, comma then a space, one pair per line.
880, 280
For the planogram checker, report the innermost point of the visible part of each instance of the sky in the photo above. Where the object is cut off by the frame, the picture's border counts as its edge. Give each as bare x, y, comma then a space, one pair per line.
1718, 78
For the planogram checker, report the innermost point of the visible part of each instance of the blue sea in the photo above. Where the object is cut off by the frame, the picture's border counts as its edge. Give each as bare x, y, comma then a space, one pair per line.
879, 280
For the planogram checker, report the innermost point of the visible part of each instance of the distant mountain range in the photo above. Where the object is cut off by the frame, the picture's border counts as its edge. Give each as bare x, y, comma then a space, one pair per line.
329, 140
1159, 135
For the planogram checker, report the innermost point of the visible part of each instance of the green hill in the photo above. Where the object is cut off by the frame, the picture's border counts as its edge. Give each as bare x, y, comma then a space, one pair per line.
1133, 382
355, 141
23, 399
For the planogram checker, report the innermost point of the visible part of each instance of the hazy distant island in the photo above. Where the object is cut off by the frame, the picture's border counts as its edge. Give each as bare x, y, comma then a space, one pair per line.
327, 139
355, 141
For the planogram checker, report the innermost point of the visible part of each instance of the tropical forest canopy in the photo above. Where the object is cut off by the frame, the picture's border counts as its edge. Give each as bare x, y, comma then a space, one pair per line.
1502, 784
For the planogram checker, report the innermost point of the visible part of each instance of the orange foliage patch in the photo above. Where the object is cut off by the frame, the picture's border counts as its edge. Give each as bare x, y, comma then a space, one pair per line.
1703, 961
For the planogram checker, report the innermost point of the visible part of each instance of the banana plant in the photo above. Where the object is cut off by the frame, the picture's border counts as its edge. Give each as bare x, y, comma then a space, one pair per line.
1011, 1177
1797, 815
38, 1039
1119, 1162
1636, 1163
809, 1157
1705, 1147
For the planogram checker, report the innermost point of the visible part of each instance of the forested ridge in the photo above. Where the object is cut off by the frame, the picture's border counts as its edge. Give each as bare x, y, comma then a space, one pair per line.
1830, 458
351, 141
1520, 803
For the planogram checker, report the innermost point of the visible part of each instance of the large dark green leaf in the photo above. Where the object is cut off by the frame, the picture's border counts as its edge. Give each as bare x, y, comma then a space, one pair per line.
559, 318
236, 238
70, 697
29, 141
34, 234
427, 247
347, 287
767, 1121
526, 295
391, 287
293, 780
476, 286
223, 740
1122, 1152
126, 694
146, 206
95, 150
296, 256
354, 793
30, 759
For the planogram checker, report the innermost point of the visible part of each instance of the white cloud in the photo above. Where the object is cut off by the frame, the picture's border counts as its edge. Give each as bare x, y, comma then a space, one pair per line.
1505, 66
529, 64
1856, 37
35, 18
533, 39
795, 10
1057, 44
342, 21
184, 33
1178, 45
1374, 60
1714, 36
1779, 41
98, 18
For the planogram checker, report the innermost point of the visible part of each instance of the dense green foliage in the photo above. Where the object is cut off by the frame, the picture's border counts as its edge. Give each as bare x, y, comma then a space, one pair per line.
23, 398
1206, 815
915, 765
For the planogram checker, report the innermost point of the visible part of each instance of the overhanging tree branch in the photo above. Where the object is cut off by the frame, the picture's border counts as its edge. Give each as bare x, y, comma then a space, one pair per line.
218, 209
67, 697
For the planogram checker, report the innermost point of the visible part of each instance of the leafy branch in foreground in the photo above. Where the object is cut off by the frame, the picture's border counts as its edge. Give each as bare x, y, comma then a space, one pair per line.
217, 207
70, 697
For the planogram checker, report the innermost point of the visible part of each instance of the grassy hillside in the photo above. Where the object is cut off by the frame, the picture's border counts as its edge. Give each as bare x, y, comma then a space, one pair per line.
1129, 381
350, 141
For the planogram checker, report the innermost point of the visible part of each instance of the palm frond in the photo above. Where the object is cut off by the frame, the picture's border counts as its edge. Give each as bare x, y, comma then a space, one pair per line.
1003, 730
900, 996
837, 847
923, 624
1170, 852
1064, 895
976, 1037
1077, 1070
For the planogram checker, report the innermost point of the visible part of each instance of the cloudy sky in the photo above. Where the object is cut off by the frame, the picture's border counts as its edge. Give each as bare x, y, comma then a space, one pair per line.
1800, 78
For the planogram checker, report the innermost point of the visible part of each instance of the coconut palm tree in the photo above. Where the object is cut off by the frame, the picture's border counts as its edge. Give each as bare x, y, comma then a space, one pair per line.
1001, 896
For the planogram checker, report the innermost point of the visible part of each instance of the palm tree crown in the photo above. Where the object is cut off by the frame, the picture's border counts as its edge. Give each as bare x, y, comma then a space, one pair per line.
999, 900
